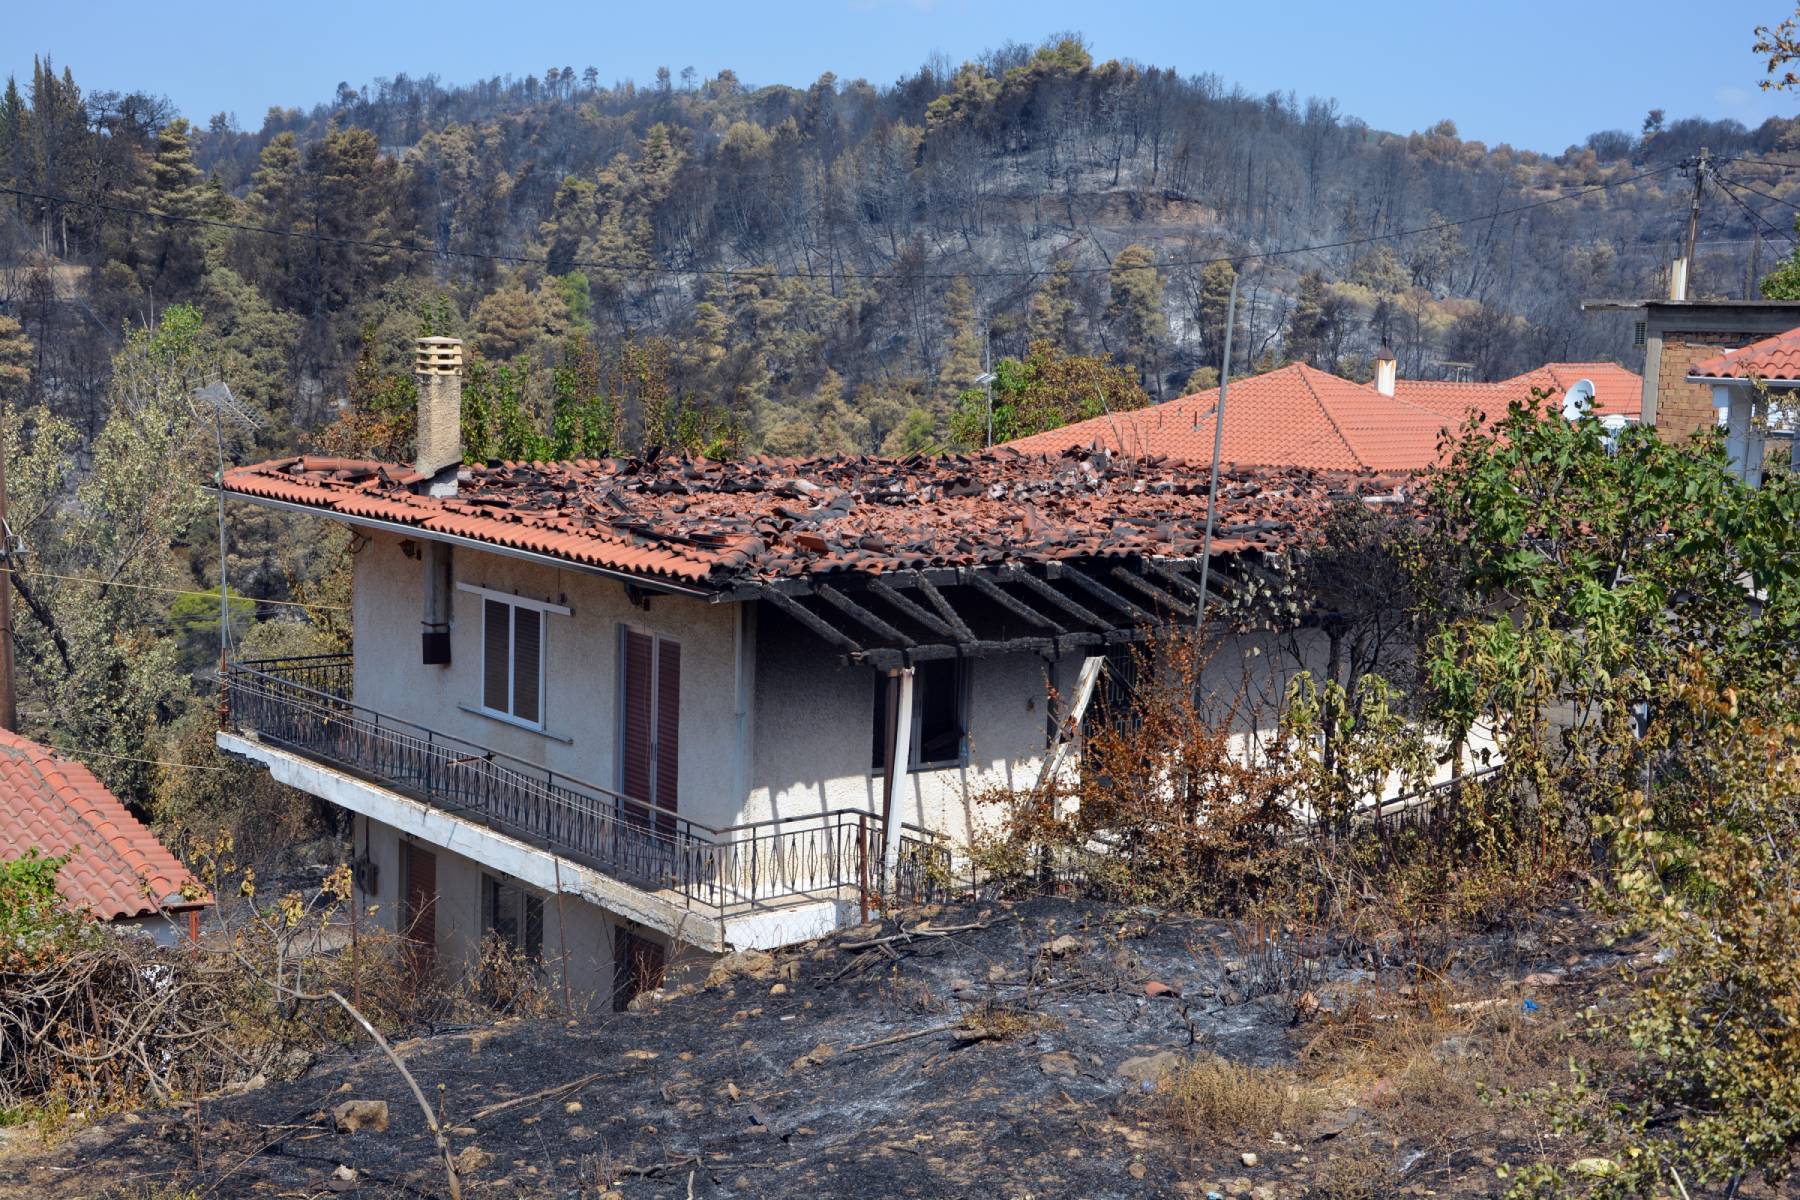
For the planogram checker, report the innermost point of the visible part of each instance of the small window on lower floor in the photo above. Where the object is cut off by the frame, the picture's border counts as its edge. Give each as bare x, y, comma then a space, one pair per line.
514, 915
940, 716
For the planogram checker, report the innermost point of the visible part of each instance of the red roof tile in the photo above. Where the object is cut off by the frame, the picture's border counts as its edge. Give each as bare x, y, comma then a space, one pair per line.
1302, 417
1617, 392
1774, 359
1296, 416
116, 866
717, 525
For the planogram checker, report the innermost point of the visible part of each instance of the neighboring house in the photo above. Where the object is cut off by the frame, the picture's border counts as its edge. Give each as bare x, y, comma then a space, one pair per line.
1298, 416
1676, 335
117, 871
1753, 391
611, 710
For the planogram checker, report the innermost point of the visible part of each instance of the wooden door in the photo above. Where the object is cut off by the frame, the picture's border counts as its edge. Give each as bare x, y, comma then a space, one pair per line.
418, 915
638, 967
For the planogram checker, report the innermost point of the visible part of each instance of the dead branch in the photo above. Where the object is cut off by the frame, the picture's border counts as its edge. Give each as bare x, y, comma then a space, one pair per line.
555, 1092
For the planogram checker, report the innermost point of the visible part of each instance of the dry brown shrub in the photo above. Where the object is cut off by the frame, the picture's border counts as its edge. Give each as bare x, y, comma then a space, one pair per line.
1214, 1097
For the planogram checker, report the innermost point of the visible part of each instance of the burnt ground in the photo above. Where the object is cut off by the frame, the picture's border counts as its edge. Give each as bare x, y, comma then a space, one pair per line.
798, 1077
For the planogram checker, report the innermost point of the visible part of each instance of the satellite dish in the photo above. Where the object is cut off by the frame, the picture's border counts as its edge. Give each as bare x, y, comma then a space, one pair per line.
1579, 402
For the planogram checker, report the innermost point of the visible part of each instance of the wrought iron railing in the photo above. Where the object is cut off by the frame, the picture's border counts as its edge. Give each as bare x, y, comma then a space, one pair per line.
304, 704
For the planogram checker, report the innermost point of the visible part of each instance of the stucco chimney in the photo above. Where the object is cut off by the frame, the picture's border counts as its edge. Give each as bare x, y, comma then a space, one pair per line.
1385, 368
437, 365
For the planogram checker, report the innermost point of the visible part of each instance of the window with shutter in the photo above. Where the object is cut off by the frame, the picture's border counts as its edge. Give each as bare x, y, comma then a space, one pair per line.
512, 665
650, 719
940, 717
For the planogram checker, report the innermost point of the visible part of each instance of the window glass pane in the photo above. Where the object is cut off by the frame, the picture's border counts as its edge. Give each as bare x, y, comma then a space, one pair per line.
527, 662
937, 711
496, 643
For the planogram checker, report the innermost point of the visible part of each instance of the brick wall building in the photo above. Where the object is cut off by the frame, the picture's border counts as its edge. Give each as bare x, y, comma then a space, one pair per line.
1680, 333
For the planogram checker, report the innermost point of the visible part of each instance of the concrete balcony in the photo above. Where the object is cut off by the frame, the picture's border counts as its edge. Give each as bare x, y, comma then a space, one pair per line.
762, 884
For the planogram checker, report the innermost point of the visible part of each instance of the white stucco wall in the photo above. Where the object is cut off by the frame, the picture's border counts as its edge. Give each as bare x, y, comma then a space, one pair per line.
814, 725
586, 939
581, 735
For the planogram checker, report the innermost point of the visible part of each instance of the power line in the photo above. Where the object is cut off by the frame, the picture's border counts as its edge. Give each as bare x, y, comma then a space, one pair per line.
773, 273
1726, 185
1736, 183
81, 752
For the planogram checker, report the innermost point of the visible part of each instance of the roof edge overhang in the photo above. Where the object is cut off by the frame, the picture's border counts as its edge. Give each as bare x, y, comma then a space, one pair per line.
646, 582
1744, 381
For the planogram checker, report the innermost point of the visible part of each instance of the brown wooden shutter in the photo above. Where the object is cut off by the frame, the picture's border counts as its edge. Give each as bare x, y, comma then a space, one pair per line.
668, 722
528, 630
634, 756
496, 646
420, 910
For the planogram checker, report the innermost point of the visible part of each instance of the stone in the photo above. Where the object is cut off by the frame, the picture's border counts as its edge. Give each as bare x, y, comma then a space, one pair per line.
471, 1159
822, 1052
360, 1116
1332, 1124
750, 964
1149, 1068
579, 1133
960, 984
779, 989
1136, 1170
1063, 946
1248, 1159
1594, 1168
1541, 979
345, 1173
572, 1107
1059, 1064
1156, 988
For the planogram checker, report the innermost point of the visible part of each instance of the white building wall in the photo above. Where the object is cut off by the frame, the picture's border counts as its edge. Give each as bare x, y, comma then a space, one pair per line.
581, 734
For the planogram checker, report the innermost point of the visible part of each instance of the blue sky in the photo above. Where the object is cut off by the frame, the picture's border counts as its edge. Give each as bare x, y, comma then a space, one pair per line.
1538, 75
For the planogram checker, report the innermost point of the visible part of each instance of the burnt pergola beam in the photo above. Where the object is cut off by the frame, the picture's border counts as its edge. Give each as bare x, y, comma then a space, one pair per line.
1038, 587
993, 591
861, 615
1106, 595
812, 621
944, 608
905, 604
1157, 595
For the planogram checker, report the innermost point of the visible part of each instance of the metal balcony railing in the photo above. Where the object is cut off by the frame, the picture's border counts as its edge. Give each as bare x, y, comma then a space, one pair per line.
304, 705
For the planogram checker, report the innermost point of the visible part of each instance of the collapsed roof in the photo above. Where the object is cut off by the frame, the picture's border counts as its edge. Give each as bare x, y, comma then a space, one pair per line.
1051, 551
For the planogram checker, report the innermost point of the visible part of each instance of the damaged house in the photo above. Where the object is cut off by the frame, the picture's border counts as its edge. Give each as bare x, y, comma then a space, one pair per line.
614, 711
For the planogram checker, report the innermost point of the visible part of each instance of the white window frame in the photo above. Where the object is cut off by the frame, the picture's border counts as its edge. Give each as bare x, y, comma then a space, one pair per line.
543, 608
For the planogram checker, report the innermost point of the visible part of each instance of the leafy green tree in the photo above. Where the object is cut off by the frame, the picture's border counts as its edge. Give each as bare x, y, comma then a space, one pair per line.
1047, 389
1134, 311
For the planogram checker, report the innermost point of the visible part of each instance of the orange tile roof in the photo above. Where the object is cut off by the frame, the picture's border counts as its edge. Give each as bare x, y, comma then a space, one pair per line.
1774, 360
116, 866
1617, 392
1300, 416
1295, 416
720, 525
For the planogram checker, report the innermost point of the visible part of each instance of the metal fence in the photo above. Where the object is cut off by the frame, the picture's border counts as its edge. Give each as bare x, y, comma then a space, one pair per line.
304, 704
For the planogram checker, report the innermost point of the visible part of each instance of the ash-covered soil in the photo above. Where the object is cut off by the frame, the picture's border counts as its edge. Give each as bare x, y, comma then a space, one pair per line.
998, 1050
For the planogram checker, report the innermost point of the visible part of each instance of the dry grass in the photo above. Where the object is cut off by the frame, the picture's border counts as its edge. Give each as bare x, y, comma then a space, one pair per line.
1211, 1097
996, 1022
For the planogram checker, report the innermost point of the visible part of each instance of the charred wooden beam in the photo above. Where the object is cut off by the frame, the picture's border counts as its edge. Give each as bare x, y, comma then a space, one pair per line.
1036, 586
1186, 583
861, 615
944, 608
813, 621
993, 591
1095, 588
1162, 598
929, 620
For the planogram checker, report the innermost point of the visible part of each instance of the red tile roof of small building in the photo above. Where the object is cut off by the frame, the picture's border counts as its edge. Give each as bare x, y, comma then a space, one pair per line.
717, 525
1774, 360
117, 867
1617, 392
1295, 416
1300, 416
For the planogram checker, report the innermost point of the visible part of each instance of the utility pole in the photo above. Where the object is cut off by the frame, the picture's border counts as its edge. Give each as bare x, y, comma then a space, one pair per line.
9, 704
1678, 282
